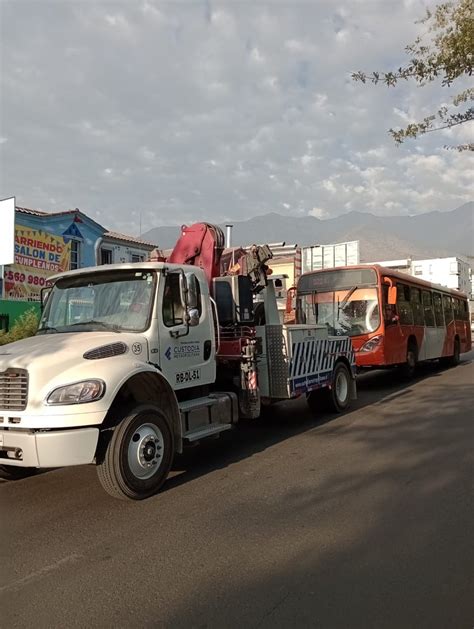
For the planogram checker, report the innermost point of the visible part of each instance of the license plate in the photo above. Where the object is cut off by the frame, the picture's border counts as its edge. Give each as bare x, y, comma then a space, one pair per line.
191, 375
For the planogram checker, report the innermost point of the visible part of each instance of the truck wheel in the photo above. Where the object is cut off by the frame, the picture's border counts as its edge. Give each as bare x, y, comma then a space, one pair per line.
335, 398
12, 472
138, 456
338, 397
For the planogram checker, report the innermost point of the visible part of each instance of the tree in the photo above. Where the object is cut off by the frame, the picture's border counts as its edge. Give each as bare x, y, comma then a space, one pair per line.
445, 52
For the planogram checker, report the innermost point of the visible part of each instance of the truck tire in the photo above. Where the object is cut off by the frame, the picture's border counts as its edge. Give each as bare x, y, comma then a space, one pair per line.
12, 472
338, 397
335, 398
138, 456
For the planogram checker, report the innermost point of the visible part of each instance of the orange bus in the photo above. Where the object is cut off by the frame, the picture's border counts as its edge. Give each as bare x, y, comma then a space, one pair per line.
394, 319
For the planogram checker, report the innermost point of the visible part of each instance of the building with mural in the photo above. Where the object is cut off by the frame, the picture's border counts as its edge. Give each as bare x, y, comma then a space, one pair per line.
49, 243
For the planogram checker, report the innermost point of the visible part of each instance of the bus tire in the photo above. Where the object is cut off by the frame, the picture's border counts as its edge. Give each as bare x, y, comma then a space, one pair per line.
12, 472
337, 397
455, 358
408, 368
138, 456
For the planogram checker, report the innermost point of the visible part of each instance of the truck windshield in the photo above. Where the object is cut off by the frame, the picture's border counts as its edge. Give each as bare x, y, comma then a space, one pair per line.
118, 300
345, 301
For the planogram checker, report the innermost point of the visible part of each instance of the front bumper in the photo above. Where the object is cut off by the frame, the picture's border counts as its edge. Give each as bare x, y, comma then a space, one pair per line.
51, 448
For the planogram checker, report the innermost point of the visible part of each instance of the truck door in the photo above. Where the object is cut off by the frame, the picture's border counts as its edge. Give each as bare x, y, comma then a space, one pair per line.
187, 344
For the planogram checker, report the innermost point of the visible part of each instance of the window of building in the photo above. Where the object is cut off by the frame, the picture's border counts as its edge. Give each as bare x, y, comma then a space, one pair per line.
428, 308
416, 306
173, 311
454, 268
403, 304
105, 256
75, 254
438, 310
418, 270
448, 308
137, 258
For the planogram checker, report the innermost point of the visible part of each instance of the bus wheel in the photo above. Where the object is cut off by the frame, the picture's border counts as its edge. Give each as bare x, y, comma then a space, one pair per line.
138, 456
455, 358
408, 368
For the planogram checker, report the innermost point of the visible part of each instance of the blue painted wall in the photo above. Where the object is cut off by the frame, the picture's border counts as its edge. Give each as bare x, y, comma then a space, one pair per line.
77, 226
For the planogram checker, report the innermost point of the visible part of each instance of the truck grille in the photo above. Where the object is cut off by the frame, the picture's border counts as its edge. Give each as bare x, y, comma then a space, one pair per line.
13, 389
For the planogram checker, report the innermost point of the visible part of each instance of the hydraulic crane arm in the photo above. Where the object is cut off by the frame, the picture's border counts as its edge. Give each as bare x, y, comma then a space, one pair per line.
201, 245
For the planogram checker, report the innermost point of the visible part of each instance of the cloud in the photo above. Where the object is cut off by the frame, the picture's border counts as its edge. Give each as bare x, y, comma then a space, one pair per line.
186, 111
319, 212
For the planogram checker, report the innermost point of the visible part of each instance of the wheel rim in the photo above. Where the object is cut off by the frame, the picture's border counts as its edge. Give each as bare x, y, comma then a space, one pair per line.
411, 359
145, 451
342, 387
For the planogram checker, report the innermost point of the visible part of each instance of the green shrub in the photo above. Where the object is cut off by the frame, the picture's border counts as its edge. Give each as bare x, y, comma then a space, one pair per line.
25, 326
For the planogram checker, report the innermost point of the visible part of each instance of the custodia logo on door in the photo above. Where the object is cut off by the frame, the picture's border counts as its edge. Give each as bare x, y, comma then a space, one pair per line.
168, 353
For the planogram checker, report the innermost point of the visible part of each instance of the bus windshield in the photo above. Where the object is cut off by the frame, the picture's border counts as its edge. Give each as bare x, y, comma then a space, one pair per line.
344, 301
117, 301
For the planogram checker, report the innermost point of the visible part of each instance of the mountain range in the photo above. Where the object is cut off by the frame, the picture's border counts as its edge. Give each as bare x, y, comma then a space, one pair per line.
433, 234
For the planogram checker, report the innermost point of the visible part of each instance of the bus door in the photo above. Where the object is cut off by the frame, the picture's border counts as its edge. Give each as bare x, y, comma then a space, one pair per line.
394, 337
435, 329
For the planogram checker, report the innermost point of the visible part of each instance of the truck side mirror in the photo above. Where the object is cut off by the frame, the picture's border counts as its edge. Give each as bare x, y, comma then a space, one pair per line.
193, 314
193, 291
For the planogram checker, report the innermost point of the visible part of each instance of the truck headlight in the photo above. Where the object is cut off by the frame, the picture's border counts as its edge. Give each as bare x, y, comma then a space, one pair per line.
77, 393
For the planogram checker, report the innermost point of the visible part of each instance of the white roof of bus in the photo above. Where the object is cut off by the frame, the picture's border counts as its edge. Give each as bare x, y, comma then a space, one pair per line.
399, 275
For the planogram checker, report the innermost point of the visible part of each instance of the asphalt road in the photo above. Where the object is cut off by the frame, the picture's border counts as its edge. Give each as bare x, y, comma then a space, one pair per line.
361, 520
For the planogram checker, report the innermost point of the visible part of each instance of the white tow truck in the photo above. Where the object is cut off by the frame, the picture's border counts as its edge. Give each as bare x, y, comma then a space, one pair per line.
131, 362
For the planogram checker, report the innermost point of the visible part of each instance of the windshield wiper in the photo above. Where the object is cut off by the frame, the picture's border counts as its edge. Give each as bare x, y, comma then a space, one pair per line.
107, 326
341, 305
47, 328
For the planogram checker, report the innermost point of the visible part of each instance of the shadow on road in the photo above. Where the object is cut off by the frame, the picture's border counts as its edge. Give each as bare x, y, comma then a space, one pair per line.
405, 485
288, 419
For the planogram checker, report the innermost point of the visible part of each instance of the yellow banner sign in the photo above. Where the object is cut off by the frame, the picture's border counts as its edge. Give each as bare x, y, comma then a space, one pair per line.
38, 255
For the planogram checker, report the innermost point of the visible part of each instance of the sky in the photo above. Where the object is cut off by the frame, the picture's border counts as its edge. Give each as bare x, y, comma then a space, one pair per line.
147, 113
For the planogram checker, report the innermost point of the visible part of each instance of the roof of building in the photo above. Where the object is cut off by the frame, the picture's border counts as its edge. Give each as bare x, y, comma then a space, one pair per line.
129, 239
111, 235
41, 214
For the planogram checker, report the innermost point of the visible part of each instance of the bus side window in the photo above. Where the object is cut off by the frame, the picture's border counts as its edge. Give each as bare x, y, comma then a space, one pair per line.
428, 309
457, 309
448, 309
415, 298
438, 310
465, 307
403, 304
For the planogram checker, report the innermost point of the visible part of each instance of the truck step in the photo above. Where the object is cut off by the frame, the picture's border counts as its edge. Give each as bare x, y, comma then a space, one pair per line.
206, 431
193, 405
